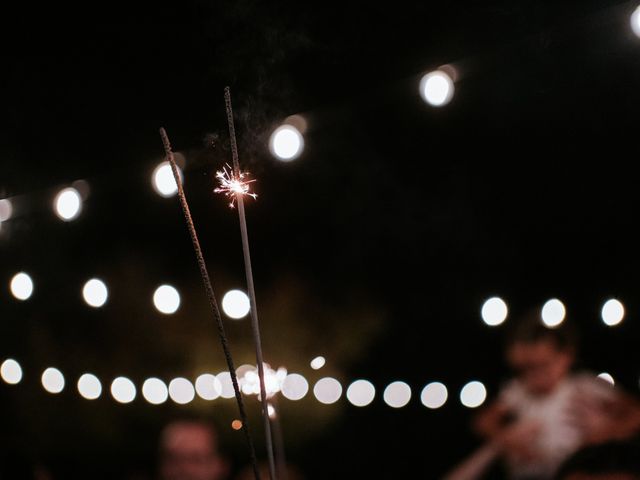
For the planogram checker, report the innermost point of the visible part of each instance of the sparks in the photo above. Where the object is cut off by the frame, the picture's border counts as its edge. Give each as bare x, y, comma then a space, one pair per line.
232, 185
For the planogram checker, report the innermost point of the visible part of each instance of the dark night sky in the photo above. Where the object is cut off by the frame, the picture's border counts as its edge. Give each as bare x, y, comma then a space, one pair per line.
380, 242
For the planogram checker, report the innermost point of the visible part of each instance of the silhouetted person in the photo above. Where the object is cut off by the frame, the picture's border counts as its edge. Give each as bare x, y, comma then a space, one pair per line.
189, 451
546, 412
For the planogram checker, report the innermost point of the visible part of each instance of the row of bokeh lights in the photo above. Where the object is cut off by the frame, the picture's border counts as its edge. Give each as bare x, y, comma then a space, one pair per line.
286, 142
494, 312
207, 386
166, 298
236, 305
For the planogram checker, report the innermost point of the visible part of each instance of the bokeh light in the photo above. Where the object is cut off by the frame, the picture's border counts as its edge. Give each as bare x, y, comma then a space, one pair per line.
123, 390
473, 394
249, 379
607, 378
295, 386
155, 391
226, 385
236, 424
89, 386
6, 209
327, 390
434, 395
271, 411
181, 390
397, 394
95, 293
635, 21
162, 180
612, 312
286, 143
166, 299
553, 313
494, 311
318, 362
235, 304
21, 286
67, 204
11, 371
361, 393
52, 380
208, 387
436, 88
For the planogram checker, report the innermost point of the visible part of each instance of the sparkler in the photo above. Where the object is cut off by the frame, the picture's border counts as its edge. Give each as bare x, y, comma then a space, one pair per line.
212, 300
235, 183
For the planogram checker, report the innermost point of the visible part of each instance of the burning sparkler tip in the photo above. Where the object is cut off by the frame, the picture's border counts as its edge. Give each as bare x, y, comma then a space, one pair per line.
232, 184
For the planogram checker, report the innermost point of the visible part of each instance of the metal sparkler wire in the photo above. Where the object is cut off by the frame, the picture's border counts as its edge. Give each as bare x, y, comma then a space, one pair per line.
255, 326
212, 300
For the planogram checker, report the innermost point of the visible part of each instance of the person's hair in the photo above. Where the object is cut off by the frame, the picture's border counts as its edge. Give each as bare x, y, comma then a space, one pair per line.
529, 328
610, 457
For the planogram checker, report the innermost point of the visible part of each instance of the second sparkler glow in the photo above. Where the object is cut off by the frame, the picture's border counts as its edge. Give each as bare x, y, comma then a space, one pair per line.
232, 185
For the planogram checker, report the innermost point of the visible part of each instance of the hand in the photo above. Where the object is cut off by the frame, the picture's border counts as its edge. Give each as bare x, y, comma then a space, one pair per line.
594, 419
518, 440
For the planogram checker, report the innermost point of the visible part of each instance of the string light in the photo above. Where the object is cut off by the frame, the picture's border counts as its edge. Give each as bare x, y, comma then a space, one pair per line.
286, 143
473, 394
11, 371
494, 311
612, 312
553, 313
67, 204
21, 286
89, 386
397, 394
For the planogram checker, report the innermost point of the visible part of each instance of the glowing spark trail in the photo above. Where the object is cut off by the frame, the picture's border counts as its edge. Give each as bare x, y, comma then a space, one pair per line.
233, 185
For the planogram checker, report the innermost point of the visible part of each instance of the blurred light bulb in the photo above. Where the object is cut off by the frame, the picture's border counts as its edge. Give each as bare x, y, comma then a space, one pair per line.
612, 312
235, 304
11, 371
473, 394
361, 393
434, 395
21, 286
67, 204
163, 181
397, 394
607, 378
494, 311
89, 386
123, 390
166, 299
327, 390
295, 386
155, 391
318, 362
95, 293
52, 380
226, 384
635, 21
181, 391
437, 88
208, 387
6, 209
553, 313
286, 143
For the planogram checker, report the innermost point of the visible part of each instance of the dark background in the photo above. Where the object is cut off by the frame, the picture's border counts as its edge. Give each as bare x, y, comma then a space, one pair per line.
376, 248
